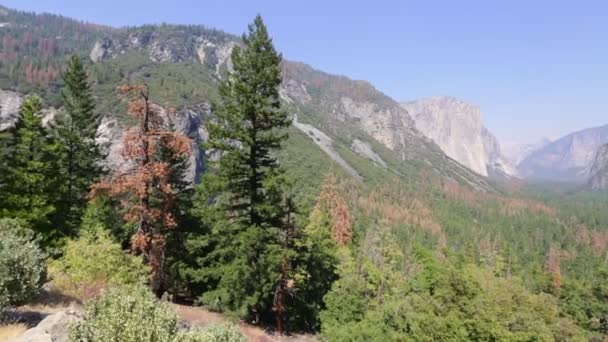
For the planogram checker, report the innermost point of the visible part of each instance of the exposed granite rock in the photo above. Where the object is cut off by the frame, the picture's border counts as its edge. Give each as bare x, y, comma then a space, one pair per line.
188, 121
54, 328
9, 108
326, 144
206, 47
364, 149
455, 126
599, 170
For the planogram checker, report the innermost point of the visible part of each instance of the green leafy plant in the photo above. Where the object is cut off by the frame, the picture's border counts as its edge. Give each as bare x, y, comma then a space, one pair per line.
93, 262
128, 313
213, 333
22, 266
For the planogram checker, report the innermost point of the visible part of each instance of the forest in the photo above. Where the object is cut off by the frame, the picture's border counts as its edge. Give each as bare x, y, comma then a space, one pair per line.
273, 234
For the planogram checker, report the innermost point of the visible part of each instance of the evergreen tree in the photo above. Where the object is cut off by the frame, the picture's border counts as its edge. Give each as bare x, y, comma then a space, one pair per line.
30, 188
7, 148
81, 158
241, 199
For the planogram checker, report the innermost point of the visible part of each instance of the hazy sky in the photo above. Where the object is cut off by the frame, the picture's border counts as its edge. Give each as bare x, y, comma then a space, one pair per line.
536, 68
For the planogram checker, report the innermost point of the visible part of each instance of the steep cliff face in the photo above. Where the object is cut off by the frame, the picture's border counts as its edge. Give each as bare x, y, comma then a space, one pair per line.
566, 159
599, 170
457, 128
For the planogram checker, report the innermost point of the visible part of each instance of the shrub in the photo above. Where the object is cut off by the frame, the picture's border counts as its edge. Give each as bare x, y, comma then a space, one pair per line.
93, 262
127, 313
22, 265
132, 313
213, 333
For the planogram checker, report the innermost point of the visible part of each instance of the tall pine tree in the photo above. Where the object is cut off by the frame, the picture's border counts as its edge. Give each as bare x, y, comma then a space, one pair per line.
80, 162
241, 199
30, 187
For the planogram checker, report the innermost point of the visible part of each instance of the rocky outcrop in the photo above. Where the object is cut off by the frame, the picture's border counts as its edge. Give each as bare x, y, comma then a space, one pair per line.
54, 328
170, 44
365, 150
599, 170
9, 108
566, 159
188, 121
325, 143
455, 126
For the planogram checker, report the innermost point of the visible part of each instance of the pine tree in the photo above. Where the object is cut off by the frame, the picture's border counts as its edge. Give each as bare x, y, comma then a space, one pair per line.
81, 158
7, 148
145, 190
30, 189
241, 199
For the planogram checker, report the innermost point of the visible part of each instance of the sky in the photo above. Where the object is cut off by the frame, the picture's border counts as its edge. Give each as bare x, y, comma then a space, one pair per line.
536, 68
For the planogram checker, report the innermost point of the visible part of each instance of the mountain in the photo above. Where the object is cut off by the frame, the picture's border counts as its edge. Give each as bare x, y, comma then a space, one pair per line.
457, 128
517, 152
183, 64
566, 159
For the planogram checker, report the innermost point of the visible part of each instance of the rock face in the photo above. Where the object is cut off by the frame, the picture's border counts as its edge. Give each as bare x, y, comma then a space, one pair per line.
188, 121
566, 159
54, 328
325, 143
457, 128
599, 170
365, 150
169, 44
9, 108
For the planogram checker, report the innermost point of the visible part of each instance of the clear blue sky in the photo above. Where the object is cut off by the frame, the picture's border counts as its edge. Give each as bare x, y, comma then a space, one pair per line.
536, 68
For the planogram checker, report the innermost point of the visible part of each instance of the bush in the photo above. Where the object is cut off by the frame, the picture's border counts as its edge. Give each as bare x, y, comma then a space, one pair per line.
132, 313
22, 265
213, 333
93, 262
128, 313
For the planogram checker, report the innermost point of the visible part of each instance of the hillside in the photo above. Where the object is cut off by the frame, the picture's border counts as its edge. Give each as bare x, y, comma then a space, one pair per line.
435, 249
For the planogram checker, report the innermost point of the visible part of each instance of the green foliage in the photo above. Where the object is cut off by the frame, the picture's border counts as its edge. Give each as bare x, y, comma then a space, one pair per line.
212, 333
80, 156
437, 301
246, 186
22, 264
315, 270
126, 314
132, 313
30, 190
93, 262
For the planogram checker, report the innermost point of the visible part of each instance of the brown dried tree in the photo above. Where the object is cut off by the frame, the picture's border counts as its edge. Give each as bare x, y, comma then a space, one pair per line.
330, 200
144, 189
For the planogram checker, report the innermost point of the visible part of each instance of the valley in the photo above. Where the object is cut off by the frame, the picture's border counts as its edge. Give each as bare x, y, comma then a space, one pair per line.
377, 219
